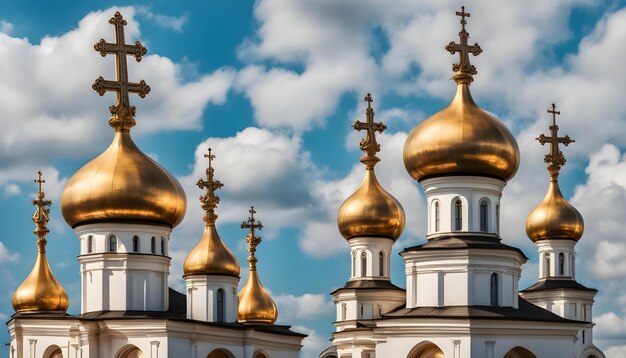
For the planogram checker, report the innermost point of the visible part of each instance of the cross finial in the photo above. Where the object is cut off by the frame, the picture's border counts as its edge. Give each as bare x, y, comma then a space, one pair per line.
252, 239
122, 112
555, 158
42, 214
463, 68
369, 145
209, 200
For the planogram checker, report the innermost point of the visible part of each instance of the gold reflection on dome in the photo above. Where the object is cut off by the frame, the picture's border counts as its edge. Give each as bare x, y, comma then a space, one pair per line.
554, 217
122, 184
211, 255
370, 210
462, 139
255, 304
40, 291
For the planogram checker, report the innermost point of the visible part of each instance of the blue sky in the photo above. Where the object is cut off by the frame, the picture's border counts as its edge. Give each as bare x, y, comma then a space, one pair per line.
273, 87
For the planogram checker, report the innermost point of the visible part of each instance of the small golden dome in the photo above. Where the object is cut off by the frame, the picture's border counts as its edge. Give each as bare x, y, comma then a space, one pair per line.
40, 292
123, 184
462, 139
255, 303
554, 218
371, 211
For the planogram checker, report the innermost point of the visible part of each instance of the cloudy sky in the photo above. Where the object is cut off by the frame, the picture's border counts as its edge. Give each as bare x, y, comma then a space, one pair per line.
273, 88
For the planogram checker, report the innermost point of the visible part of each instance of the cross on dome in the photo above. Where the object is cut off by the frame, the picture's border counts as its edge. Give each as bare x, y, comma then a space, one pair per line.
369, 145
122, 111
464, 67
42, 214
555, 158
252, 239
209, 200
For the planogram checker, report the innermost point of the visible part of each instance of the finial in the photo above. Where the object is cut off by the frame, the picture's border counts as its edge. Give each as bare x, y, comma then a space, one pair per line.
209, 200
369, 145
41, 215
122, 112
252, 240
464, 69
555, 158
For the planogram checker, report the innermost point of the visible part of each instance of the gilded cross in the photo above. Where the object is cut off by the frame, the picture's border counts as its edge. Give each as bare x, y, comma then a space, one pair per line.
209, 200
42, 214
251, 238
555, 159
464, 65
121, 85
369, 145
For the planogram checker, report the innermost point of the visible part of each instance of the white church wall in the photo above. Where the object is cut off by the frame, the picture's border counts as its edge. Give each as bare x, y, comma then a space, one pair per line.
202, 297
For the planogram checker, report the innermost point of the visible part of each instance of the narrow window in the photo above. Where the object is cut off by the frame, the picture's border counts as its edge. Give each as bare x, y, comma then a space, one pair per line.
573, 267
498, 219
561, 264
163, 246
344, 309
583, 336
153, 245
89, 244
584, 309
483, 216
220, 305
112, 243
353, 264
494, 289
458, 215
363, 264
547, 264
381, 264
361, 310
135, 244
437, 217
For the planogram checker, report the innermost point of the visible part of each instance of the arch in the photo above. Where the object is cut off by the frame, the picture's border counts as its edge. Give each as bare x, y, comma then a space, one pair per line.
260, 354
135, 243
53, 351
129, 351
220, 305
493, 289
381, 264
112, 243
89, 244
484, 215
458, 214
163, 246
561, 264
519, 352
426, 350
437, 215
220, 353
363, 264
153, 245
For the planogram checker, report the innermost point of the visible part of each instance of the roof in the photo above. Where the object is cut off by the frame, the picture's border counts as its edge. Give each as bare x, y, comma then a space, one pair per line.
368, 285
464, 242
551, 284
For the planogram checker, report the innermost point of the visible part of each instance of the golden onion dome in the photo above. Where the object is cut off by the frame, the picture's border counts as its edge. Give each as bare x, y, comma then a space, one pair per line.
370, 210
462, 139
554, 218
40, 291
123, 184
255, 303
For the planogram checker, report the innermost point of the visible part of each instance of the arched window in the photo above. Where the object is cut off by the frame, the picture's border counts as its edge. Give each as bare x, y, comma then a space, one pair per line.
546, 264
437, 217
89, 244
573, 267
153, 245
135, 244
458, 214
498, 219
561, 264
112, 243
363, 264
344, 310
220, 305
381, 264
163, 246
484, 214
353, 264
494, 289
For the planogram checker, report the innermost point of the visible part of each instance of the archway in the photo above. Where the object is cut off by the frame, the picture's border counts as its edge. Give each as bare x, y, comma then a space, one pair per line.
519, 352
426, 350
53, 351
260, 355
220, 353
130, 351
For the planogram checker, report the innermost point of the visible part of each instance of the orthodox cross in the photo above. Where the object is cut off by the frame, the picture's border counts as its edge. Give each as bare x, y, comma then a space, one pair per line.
464, 65
369, 145
251, 238
42, 214
555, 158
209, 200
121, 85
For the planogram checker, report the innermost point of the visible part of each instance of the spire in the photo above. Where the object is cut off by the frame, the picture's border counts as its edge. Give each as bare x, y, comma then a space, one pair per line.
255, 303
369, 145
40, 291
555, 158
464, 69
209, 200
122, 112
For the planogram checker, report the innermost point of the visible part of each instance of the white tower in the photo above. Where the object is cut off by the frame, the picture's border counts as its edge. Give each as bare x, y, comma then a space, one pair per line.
122, 206
211, 270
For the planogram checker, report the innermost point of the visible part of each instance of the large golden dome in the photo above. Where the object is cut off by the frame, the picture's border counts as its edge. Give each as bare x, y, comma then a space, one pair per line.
554, 218
371, 211
462, 139
123, 184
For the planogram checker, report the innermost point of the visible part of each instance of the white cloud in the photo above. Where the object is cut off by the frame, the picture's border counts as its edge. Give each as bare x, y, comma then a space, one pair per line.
308, 306
12, 189
615, 352
314, 344
610, 325
175, 23
6, 27
6, 255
